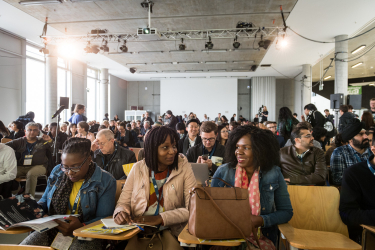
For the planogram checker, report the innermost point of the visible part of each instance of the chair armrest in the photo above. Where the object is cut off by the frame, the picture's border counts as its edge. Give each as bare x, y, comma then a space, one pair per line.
310, 239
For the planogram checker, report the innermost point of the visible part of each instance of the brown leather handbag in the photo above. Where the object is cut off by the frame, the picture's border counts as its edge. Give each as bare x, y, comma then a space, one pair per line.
220, 213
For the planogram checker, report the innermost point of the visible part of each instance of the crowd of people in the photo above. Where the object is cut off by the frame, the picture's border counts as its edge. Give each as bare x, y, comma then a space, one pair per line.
85, 158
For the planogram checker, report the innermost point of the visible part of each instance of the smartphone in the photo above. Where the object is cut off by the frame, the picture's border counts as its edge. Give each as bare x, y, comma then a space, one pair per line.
205, 157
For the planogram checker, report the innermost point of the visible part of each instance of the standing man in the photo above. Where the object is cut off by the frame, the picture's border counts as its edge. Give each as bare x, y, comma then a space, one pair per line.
144, 129
61, 138
32, 155
233, 118
329, 116
314, 117
172, 120
372, 107
148, 118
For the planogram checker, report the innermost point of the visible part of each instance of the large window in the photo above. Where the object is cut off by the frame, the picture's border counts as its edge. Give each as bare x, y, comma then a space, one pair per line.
35, 83
63, 85
92, 109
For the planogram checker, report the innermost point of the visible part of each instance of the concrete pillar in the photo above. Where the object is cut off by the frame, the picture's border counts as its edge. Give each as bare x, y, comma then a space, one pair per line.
341, 68
104, 79
51, 84
306, 84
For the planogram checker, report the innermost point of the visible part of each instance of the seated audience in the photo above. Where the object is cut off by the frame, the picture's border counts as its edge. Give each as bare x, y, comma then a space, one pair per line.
191, 138
83, 131
116, 118
45, 129
304, 124
106, 117
105, 123
253, 156
287, 122
181, 129
357, 203
109, 156
63, 127
76, 176
172, 119
8, 171
272, 126
32, 155
132, 141
25, 119
218, 118
144, 130
147, 118
222, 134
123, 136
302, 163
256, 118
355, 152
139, 124
17, 131
368, 120
319, 135
223, 119
112, 126
209, 147
94, 127
337, 142
232, 126
163, 171
205, 118
61, 138
41, 132
4, 132
233, 118
72, 130
78, 116
295, 115
346, 118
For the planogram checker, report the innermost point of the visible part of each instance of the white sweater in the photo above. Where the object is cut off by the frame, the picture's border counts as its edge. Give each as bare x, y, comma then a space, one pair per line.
8, 164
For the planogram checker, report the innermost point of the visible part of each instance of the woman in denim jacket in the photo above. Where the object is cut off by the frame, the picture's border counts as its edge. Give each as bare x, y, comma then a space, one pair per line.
77, 186
256, 151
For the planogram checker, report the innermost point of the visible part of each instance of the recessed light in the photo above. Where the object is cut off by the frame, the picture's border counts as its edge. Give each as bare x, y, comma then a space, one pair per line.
243, 61
170, 71
371, 67
161, 63
157, 77
197, 77
147, 72
325, 78
218, 77
136, 64
181, 51
216, 62
240, 76
215, 50
217, 70
193, 71
358, 49
357, 64
372, 84
188, 62
239, 70
178, 77
147, 52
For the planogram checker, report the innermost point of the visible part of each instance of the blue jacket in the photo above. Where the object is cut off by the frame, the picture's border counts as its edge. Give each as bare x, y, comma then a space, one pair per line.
76, 118
276, 207
97, 195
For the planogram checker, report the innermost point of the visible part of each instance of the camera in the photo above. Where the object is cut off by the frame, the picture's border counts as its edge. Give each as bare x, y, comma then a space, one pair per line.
260, 111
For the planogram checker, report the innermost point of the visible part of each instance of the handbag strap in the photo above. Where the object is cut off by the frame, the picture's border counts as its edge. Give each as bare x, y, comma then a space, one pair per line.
226, 183
226, 217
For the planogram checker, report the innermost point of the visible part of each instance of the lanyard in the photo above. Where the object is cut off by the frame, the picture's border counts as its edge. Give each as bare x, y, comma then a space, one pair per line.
359, 159
31, 147
72, 211
371, 167
157, 190
212, 151
113, 155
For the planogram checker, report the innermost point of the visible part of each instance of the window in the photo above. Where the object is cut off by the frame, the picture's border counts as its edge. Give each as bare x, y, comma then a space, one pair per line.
35, 83
92, 109
63, 85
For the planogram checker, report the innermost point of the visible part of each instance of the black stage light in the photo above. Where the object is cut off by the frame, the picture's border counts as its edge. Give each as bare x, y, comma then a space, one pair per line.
182, 46
133, 70
104, 47
123, 48
236, 44
264, 43
209, 44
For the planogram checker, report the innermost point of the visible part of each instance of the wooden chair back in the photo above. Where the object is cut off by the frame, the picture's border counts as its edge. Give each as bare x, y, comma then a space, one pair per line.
5, 140
136, 151
18, 247
316, 208
119, 185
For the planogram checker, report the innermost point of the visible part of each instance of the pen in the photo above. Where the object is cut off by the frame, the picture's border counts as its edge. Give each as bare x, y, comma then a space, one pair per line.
140, 227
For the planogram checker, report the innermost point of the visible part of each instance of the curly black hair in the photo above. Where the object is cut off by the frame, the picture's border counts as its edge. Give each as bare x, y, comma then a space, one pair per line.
264, 146
285, 114
155, 137
77, 145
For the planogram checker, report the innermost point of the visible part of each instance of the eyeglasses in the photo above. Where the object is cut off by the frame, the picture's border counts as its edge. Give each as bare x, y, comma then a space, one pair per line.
307, 136
272, 127
75, 170
225, 131
209, 139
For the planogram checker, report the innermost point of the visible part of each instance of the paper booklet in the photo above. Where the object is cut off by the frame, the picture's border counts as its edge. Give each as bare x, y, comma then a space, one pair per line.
110, 223
24, 211
102, 229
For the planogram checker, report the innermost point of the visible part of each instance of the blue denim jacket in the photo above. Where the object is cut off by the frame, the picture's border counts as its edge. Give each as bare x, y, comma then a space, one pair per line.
97, 195
276, 207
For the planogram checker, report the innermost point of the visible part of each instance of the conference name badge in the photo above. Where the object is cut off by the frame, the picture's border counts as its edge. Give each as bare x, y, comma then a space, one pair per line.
28, 160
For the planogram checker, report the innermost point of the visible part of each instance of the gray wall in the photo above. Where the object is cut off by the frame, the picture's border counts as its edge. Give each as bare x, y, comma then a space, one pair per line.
118, 91
243, 100
79, 82
148, 98
13, 76
284, 95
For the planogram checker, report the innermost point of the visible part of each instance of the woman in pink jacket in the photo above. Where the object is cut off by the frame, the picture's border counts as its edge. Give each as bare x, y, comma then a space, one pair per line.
156, 191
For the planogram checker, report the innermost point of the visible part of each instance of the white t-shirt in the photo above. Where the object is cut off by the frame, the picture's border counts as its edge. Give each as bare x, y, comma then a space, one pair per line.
8, 164
192, 143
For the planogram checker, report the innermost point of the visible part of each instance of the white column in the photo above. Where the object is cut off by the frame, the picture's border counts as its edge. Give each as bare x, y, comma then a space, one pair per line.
306, 84
51, 84
263, 92
341, 68
104, 79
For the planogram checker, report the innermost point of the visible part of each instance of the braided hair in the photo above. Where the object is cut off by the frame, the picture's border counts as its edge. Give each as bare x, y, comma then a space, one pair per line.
77, 145
155, 137
264, 146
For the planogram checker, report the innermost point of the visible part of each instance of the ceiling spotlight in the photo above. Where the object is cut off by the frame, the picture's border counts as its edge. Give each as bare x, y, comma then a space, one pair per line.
236, 44
123, 48
133, 70
182, 46
104, 46
91, 48
44, 50
264, 43
253, 68
358, 49
356, 65
327, 77
147, 4
209, 44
